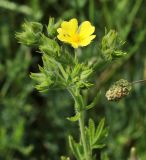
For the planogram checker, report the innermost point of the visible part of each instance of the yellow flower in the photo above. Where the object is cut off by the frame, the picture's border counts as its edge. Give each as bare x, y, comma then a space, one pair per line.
76, 35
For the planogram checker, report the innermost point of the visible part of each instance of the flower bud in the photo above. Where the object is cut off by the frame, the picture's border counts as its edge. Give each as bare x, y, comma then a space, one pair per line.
31, 33
118, 90
52, 27
111, 46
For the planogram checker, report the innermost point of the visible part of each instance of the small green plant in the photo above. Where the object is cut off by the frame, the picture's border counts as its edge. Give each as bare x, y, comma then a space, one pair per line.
63, 69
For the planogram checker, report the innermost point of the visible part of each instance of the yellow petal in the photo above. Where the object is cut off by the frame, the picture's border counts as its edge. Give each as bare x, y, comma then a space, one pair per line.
87, 40
86, 29
59, 30
70, 27
75, 45
61, 37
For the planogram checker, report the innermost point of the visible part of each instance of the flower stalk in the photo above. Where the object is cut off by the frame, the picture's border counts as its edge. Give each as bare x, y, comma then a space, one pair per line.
81, 122
139, 81
83, 138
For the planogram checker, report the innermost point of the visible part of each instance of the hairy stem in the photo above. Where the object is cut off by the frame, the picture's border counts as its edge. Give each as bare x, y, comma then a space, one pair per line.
139, 81
83, 138
82, 127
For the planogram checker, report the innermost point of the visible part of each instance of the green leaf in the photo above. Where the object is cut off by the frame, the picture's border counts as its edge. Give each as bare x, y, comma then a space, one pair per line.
91, 129
99, 130
49, 46
93, 103
75, 117
97, 135
76, 148
99, 146
65, 158
104, 156
26, 150
86, 73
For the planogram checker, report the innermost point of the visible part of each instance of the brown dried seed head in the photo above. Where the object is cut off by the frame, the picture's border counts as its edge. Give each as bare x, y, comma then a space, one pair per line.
118, 90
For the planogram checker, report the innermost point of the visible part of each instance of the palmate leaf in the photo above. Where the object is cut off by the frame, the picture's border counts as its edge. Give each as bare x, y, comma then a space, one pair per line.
96, 135
76, 148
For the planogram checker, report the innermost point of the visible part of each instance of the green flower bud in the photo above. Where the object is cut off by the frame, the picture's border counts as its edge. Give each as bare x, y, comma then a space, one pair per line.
110, 46
118, 90
30, 34
52, 27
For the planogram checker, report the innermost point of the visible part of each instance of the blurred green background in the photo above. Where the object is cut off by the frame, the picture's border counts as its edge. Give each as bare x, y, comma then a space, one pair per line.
33, 125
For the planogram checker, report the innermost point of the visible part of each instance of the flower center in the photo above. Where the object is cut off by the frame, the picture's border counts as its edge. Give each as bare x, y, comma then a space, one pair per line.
76, 38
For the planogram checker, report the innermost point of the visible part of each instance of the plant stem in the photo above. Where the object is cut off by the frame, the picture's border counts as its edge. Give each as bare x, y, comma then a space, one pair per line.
83, 138
139, 81
82, 128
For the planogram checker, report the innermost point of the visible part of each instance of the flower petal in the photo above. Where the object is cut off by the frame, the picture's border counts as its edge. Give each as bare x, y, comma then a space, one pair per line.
70, 27
63, 38
59, 30
87, 40
75, 45
86, 29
